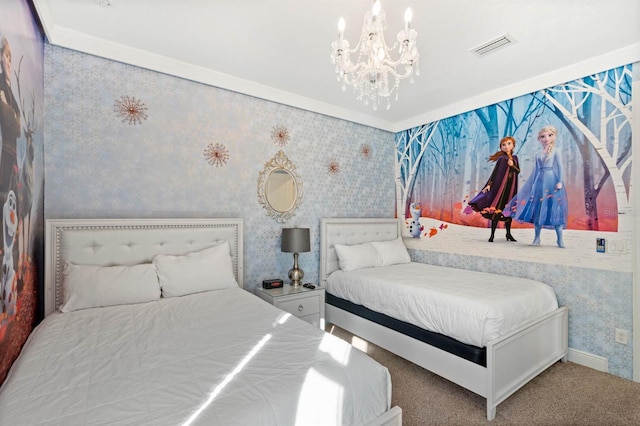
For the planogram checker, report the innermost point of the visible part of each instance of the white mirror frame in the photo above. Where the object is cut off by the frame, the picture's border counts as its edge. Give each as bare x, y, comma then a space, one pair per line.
279, 161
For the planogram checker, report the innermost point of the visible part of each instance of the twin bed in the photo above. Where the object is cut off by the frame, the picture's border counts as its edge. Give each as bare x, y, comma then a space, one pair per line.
490, 334
147, 323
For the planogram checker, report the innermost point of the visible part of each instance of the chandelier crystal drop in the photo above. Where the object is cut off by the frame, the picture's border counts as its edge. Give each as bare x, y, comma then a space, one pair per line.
375, 76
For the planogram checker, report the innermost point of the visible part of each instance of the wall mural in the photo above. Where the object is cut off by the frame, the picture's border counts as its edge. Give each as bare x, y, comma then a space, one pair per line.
444, 165
21, 117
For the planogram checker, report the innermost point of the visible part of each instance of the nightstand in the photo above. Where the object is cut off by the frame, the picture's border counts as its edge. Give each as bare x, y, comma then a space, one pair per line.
302, 302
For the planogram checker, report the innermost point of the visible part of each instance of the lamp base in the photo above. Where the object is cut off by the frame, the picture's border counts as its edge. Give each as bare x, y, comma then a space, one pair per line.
296, 275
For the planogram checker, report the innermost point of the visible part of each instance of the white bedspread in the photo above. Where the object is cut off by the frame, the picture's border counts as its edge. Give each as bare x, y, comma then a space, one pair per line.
216, 358
472, 307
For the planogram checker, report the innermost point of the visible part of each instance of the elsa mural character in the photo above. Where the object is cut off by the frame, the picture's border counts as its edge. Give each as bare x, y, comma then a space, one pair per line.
543, 198
501, 187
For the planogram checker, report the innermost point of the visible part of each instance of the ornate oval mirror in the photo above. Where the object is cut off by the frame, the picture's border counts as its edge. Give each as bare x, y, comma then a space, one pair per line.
279, 188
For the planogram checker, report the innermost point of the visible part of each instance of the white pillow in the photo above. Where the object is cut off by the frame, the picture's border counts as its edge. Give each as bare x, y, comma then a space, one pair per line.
209, 269
356, 256
391, 252
90, 286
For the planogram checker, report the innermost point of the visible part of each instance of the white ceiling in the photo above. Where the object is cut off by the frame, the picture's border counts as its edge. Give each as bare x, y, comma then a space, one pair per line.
279, 49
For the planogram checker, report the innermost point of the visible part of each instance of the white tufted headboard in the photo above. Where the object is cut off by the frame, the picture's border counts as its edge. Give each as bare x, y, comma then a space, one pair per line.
351, 231
108, 242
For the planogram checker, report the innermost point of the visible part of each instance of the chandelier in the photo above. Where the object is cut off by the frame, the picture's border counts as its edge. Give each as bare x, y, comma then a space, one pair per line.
375, 76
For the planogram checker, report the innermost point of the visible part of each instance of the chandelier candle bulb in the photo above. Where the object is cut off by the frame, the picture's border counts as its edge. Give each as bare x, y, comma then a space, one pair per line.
408, 14
376, 8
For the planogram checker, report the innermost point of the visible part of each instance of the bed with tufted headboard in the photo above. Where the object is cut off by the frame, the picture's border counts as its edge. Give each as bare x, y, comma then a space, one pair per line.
147, 323
488, 333
108, 242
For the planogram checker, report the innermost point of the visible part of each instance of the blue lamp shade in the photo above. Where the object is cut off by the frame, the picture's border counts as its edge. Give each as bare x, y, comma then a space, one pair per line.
295, 240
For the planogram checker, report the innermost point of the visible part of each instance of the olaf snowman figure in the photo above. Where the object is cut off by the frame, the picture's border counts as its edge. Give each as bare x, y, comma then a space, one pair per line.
9, 227
415, 229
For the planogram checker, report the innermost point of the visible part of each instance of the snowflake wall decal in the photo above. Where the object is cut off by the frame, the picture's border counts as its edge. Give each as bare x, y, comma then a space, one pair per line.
280, 135
365, 150
130, 109
333, 167
216, 155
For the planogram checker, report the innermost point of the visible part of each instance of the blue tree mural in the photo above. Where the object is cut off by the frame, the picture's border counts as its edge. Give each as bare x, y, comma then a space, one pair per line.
441, 165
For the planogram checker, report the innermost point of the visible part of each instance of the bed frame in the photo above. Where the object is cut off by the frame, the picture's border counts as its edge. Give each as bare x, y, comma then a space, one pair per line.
106, 242
512, 360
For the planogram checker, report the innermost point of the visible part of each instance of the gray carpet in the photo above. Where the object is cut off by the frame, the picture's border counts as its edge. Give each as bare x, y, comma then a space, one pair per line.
564, 394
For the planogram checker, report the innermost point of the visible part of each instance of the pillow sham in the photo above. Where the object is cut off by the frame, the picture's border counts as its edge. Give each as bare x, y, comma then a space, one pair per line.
90, 286
208, 269
356, 256
391, 252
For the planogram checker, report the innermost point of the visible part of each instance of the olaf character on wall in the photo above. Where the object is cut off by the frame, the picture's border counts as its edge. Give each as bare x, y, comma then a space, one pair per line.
415, 229
9, 227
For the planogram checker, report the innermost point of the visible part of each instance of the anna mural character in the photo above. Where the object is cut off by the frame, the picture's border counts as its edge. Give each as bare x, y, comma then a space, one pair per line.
501, 187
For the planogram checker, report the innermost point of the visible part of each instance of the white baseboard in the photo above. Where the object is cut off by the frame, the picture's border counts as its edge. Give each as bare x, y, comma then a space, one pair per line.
589, 360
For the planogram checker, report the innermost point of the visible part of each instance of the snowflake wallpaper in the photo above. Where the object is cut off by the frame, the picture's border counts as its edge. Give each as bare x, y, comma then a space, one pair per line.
122, 141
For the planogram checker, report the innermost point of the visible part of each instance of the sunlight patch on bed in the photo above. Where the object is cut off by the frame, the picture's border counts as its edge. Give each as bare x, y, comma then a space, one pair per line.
283, 318
336, 348
317, 385
227, 379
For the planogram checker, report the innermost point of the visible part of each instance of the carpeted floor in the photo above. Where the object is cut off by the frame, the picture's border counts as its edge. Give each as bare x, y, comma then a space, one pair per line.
565, 394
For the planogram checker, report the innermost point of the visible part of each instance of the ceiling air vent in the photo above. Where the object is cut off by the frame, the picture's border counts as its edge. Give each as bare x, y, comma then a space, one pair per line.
492, 45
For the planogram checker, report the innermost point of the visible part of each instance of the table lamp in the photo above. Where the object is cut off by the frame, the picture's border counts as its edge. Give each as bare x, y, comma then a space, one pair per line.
295, 240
